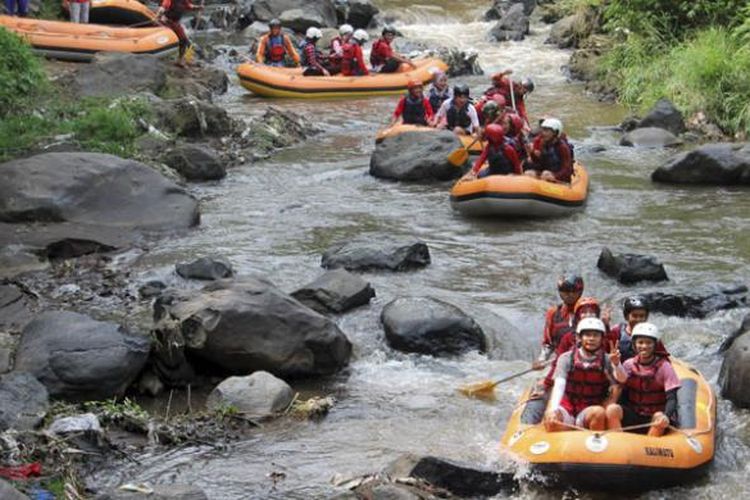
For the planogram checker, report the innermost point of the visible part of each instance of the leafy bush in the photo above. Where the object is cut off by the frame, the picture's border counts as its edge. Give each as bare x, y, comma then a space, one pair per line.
22, 78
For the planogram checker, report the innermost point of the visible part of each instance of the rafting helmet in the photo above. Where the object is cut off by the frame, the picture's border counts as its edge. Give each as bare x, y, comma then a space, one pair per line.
649, 330
274, 23
346, 29
361, 36
462, 89
553, 124
570, 283
632, 303
499, 99
494, 133
490, 110
528, 84
594, 324
586, 302
517, 123
388, 29
314, 33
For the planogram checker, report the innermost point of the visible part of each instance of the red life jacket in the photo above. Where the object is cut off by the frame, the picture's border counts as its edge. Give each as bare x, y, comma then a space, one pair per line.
349, 62
587, 383
561, 325
176, 9
376, 58
645, 395
275, 49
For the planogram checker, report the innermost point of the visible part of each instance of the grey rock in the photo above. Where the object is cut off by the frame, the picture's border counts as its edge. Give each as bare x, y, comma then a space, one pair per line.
664, 115
19, 259
206, 268
427, 325
191, 117
79, 358
299, 20
500, 7
160, 492
201, 81
383, 255
631, 268
260, 395
722, 164
698, 302
16, 308
8, 492
514, 25
151, 289
324, 10
335, 291
416, 156
85, 422
242, 326
196, 162
113, 74
276, 129
744, 327
360, 13
8, 345
650, 137
23, 401
734, 377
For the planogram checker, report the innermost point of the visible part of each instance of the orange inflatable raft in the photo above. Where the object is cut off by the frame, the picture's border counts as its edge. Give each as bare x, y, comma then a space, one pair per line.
619, 460
130, 13
520, 195
270, 81
466, 140
80, 42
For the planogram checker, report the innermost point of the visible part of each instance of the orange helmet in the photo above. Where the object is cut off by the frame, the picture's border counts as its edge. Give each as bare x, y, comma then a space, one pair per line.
413, 84
586, 302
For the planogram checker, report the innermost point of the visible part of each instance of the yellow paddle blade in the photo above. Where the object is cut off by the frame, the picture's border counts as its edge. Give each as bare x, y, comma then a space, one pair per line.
483, 390
190, 54
458, 157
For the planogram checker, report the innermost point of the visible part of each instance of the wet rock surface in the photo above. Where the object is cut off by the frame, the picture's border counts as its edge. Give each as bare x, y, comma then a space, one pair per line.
514, 25
426, 325
335, 291
699, 302
16, 308
664, 115
113, 74
416, 156
387, 255
196, 162
8, 492
722, 164
260, 395
650, 137
734, 377
157, 492
631, 268
206, 268
23, 401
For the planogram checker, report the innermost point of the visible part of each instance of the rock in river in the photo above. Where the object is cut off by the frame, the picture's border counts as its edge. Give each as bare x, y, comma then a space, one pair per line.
23, 401
416, 156
259, 395
734, 378
631, 268
430, 326
206, 268
721, 164
650, 137
514, 25
239, 327
664, 115
384, 255
79, 358
196, 162
335, 291
697, 302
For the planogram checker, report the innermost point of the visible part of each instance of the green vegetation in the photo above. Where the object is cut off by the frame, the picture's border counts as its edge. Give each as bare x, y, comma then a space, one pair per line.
34, 112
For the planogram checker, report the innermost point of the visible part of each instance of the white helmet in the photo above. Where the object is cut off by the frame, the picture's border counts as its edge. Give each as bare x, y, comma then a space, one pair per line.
361, 36
313, 33
554, 124
591, 324
649, 330
346, 29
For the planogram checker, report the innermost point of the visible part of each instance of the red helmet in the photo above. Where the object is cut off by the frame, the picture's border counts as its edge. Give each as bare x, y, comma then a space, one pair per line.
413, 84
586, 302
494, 133
499, 99
517, 123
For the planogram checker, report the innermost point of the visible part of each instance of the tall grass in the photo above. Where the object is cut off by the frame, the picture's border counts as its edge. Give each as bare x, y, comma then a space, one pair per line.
22, 78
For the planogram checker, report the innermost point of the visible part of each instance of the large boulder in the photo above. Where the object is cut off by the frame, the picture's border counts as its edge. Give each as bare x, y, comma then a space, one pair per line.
698, 302
359, 13
500, 7
112, 74
79, 358
88, 197
514, 25
19, 259
196, 162
430, 326
734, 377
382, 255
239, 327
194, 118
650, 137
744, 327
416, 156
16, 308
205, 268
722, 164
321, 12
664, 115
23, 402
202, 81
570, 30
631, 268
259, 395
335, 291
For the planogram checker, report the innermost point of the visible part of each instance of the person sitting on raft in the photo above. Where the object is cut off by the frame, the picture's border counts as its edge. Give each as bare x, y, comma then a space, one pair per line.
353, 62
414, 108
457, 113
274, 46
382, 57
558, 319
586, 383
169, 14
550, 156
514, 131
312, 59
651, 386
439, 91
336, 50
501, 84
500, 156
635, 310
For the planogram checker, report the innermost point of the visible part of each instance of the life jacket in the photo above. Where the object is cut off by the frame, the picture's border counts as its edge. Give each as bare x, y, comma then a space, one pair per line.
645, 395
375, 58
551, 158
437, 98
303, 53
561, 325
587, 383
176, 10
275, 49
498, 161
414, 111
332, 54
459, 117
349, 62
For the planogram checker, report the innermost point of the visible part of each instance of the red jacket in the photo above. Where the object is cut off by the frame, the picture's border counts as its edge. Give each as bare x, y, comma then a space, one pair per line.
510, 154
353, 62
381, 52
503, 88
562, 150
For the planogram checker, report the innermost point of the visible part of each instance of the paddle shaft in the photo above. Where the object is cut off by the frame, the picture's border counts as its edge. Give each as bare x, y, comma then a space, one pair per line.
511, 377
512, 93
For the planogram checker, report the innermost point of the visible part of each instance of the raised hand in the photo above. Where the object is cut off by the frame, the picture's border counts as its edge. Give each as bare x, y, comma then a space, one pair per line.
614, 353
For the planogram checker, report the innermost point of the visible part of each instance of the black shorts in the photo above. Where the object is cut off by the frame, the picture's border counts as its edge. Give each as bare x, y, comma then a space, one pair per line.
629, 417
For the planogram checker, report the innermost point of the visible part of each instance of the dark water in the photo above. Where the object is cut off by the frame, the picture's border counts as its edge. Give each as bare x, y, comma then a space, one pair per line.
278, 216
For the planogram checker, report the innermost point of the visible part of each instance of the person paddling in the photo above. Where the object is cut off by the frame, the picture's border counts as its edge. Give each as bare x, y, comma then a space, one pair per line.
274, 46
414, 108
169, 14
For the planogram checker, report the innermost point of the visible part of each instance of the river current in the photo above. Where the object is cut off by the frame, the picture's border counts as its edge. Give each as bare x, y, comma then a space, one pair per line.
277, 217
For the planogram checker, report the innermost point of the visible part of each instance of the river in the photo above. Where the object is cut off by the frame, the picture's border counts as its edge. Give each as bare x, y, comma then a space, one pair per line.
278, 216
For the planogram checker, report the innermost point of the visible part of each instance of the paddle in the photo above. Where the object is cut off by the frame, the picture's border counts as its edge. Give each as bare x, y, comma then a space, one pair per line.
485, 389
512, 94
459, 156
